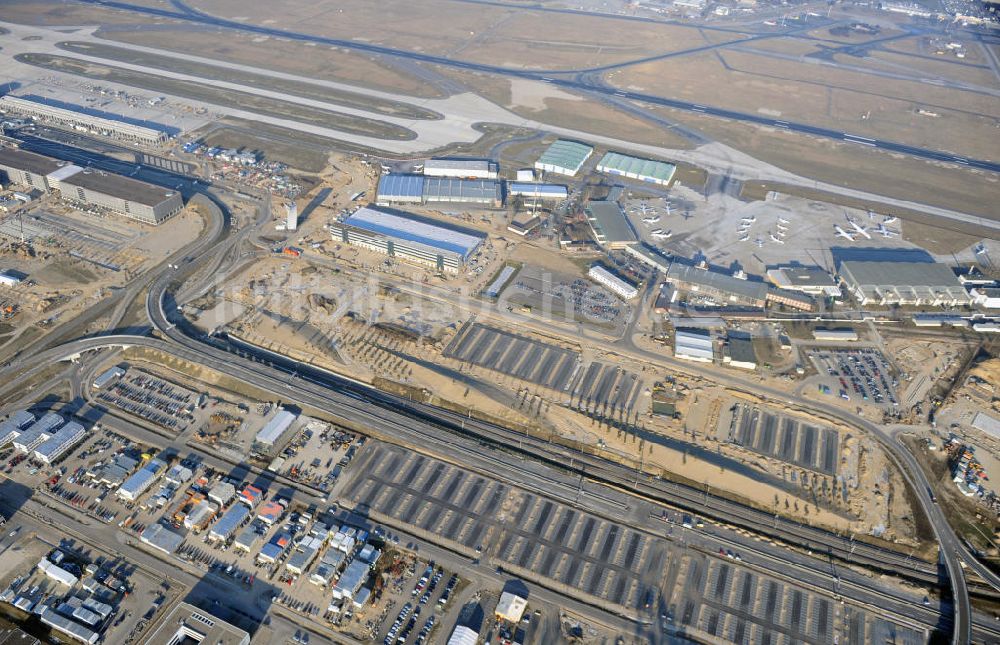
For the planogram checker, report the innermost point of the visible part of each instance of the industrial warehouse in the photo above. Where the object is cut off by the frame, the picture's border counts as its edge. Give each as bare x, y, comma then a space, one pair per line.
609, 225
418, 189
408, 237
564, 157
903, 283
647, 170
135, 199
79, 120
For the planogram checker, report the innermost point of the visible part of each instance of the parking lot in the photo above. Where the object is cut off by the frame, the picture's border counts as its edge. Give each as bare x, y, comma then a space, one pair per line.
605, 388
784, 438
151, 398
861, 375
737, 605
524, 533
556, 295
525, 358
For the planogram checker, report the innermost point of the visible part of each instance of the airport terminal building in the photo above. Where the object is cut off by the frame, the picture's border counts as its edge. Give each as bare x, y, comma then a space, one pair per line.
129, 197
408, 237
80, 120
903, 283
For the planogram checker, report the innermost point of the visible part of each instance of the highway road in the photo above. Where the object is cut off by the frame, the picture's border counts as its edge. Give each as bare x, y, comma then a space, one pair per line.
557, 78
368, 407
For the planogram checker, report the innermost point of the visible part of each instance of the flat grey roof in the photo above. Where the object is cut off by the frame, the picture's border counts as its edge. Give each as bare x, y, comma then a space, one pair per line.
216, 630
715, 280
808, 277
120, 187
741, 349
28, 161
908, 274
484, 165
401, 186
454, 189
609, 223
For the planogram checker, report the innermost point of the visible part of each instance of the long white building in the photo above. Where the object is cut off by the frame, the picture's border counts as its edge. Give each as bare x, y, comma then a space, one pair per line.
81, 121
408, 237
461, 168
621, 288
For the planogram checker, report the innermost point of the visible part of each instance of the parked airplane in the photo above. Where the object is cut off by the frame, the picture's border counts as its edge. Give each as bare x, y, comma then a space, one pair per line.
842, 233
661, 235
980, 249
759, 242
777, 239
749, 220
782, 227
645, 208
651, 220
744, 238
782, 220
890, 219
860, 229
886, 232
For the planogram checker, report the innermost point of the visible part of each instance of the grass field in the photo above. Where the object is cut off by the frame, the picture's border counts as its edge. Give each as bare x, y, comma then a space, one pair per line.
859, 167
569, 110
506, 35
204, 92
325, 63
305, 90
829, 97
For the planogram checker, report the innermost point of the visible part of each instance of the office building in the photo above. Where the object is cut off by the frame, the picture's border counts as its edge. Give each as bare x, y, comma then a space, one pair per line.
619, 287
188, 625
12, 428
38, 432
61, 441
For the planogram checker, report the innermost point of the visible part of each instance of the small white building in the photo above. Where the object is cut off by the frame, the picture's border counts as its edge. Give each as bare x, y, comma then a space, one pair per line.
511, 607
9, 280
618, 286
